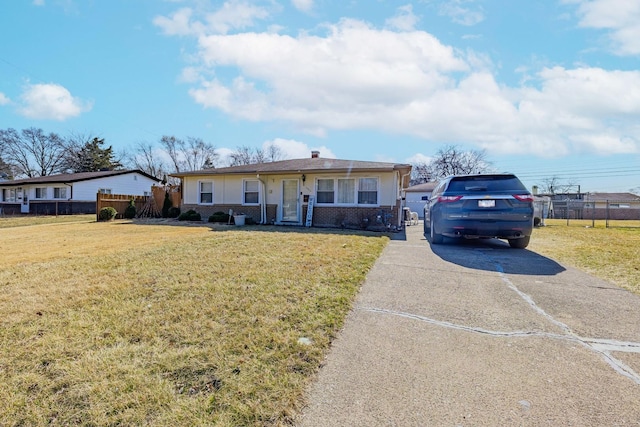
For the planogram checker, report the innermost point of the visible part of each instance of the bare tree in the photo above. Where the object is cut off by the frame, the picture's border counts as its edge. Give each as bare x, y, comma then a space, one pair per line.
420, 173
147, 160
189, 155
554, 185
246, 155
32, 152
451, 160
273, 153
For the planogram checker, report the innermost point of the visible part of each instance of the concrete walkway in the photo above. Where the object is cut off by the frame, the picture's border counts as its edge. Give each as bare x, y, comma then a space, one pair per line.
478, 334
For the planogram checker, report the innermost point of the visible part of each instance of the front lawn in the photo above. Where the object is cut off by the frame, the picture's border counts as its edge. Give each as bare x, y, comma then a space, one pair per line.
613, 254
129, 324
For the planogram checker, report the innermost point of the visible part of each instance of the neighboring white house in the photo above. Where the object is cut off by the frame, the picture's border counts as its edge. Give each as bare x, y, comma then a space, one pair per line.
341, 193
417, 196
70, 193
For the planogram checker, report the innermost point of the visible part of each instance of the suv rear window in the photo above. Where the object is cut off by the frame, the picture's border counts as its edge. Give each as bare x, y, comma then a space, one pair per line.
486, 183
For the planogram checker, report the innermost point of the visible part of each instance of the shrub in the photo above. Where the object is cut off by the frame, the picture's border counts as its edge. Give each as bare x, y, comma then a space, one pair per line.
167, 205
173, 212
107, 214
130, 211
189, 215
219, 217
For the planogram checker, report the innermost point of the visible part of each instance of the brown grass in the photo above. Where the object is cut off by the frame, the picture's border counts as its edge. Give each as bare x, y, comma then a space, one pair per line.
613, 254
129, 324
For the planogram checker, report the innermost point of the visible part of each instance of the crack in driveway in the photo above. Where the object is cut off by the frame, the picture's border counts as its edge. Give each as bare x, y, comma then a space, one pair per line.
602, 347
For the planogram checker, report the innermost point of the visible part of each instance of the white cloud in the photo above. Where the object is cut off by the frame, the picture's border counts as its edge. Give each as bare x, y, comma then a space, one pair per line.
292, 149
303, 5
232, 15
355, 76
51, 101
620, 17
418, 158
38, 2
405, 19
4, 99
460, 13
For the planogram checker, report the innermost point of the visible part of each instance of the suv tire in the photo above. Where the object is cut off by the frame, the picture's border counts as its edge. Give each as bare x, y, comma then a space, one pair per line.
520, 243
436, 238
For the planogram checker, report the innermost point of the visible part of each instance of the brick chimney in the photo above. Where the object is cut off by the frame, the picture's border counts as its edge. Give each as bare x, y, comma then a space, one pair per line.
315, 154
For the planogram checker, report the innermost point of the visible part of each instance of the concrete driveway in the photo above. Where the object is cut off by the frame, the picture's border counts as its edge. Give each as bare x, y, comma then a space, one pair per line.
478, 334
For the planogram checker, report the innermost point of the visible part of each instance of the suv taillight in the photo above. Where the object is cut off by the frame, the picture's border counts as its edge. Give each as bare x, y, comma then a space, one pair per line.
524, 197
449, 199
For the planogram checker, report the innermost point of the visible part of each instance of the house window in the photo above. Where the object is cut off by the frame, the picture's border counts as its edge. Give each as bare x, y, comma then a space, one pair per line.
206, 193
41, 192
324, 191
368, 191
104, 190
9, 194
346, 191
60, 193
620, 205
251, 192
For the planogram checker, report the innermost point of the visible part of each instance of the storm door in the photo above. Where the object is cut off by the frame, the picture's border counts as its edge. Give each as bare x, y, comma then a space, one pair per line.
290, 201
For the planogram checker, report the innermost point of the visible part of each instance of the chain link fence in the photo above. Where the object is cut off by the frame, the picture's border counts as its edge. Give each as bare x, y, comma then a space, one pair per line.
613, 213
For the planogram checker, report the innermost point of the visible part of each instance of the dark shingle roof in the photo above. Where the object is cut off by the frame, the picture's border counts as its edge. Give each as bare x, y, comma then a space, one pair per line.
318, 164
72, 177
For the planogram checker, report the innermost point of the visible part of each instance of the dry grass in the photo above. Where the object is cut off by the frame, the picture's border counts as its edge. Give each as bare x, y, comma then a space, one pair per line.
22, 221
612, 254
129, 324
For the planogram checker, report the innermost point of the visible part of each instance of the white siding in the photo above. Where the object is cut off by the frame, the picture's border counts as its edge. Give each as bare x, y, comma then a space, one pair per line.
131, 183
229, 189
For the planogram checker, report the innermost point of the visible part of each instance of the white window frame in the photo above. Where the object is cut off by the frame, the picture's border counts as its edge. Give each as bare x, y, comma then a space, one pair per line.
333, 191
355, 188
104, 190
200, 192
42, 190
245, 192
62, 193
377, 191
9, 195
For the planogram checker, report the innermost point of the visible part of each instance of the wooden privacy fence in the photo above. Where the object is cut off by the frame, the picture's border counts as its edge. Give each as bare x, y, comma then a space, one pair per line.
120, 201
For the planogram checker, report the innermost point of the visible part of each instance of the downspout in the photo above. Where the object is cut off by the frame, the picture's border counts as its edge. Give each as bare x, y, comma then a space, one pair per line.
263, 201
400, 218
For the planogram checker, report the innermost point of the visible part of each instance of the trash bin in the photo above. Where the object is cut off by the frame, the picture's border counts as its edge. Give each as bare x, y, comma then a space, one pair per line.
239, 219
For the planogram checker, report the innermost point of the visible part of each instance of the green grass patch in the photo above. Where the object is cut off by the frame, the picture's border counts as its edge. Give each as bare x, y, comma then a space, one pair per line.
609, 253
128, 324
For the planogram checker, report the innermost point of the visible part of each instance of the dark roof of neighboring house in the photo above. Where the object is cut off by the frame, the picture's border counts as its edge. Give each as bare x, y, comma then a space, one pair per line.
308, 165
72, 177
612, 197
422, 188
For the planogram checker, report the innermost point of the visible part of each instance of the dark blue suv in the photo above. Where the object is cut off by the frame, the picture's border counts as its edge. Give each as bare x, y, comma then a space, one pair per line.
480, 206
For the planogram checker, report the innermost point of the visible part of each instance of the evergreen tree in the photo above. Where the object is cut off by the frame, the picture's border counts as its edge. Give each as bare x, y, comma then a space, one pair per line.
91, 157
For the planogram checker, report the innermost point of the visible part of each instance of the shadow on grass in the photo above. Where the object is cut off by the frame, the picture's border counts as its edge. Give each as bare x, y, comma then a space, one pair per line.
220, 227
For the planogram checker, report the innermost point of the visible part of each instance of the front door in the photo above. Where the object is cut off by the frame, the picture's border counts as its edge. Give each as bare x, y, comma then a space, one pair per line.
23, 197
290, 201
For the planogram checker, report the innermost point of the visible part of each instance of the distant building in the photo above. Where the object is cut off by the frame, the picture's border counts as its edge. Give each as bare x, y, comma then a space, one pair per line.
70, 193
416, 197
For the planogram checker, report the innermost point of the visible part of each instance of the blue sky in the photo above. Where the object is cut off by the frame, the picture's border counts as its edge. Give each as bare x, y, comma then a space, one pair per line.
547, 88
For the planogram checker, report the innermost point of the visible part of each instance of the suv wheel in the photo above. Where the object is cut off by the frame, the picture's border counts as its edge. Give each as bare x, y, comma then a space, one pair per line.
436, 238
520, 243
